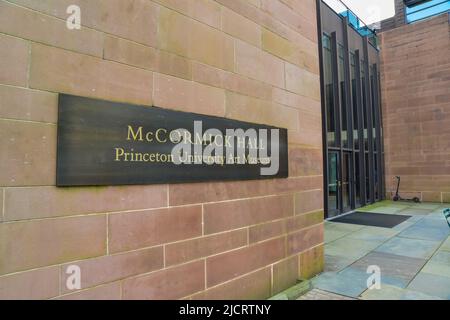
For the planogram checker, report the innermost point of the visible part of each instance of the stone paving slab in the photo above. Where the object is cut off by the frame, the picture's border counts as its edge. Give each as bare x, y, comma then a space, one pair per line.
415, 219
446, 245
349, 248
404, 225
414, 212
434, 222
439, 264
390, 210
427, 206
395, 270
343, 227
336, 263
413, 248
332, 235
318, 294
432, 285
341, 284
387, 292
385, 203
373, 234
424, 233
438, 213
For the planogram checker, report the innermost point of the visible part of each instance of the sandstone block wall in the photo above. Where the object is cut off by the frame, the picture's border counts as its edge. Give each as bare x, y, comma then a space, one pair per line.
415, 67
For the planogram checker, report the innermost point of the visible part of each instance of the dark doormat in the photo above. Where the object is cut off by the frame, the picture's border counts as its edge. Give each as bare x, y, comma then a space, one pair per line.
372, 219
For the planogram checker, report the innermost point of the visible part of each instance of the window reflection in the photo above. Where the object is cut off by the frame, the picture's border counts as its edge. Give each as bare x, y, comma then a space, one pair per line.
328, 94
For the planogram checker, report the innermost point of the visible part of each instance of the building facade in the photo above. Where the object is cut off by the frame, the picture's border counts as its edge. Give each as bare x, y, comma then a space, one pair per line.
352, 125
249, 60
359, 107
384, 104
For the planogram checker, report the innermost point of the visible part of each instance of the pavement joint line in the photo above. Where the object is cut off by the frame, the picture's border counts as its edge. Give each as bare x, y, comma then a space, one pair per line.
382, 243
428, 260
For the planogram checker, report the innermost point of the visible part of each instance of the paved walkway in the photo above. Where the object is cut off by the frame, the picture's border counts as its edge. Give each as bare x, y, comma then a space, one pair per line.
317, 294
414, 256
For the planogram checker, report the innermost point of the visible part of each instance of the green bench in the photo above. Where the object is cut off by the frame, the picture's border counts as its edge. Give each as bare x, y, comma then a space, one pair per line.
447, 215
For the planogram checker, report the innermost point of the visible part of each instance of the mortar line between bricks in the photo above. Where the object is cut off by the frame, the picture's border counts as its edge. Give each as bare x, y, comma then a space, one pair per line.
271, 195
164, 246
271, 280
168, 195
203, 220
28, 121
107, 234
88, 288
206, 273
3, 204
61, 264
255, 197
60, 271
29, 63
89, 214
33, 42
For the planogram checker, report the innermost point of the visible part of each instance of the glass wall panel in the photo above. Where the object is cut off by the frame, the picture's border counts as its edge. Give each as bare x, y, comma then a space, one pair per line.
374, 108
364, 106
368, 173
375, 173
354, 93
346, 181
342, 88
357, 180
328, 94
427, 9
333, 181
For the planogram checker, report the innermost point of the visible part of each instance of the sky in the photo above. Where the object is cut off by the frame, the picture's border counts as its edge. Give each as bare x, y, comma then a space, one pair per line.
370, 11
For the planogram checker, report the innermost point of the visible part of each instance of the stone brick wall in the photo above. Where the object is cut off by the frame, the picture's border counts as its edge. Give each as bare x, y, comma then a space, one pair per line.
398, 20
251, 60
416, 107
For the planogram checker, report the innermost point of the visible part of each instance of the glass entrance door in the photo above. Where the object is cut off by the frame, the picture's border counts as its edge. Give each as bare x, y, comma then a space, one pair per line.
340, 183
346, 182
334, 190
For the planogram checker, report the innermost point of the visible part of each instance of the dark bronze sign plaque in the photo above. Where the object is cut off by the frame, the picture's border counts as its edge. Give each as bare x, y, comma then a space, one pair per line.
106, 143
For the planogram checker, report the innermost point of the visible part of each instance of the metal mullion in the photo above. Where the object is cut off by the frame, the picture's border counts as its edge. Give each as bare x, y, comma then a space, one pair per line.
349, 102
337, 107
360, 113
369, 116
383, 182
336, 91
378, 128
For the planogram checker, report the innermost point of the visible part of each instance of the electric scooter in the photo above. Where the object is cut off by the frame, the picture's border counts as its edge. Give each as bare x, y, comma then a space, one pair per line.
397, 196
